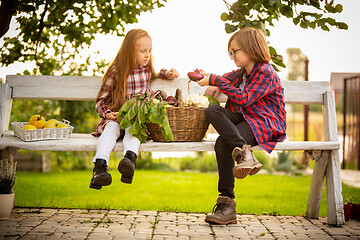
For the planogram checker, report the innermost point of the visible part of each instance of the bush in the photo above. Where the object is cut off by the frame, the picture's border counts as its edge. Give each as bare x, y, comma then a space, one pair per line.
284, 162
204, 162
72, 160
145, 161
265, 159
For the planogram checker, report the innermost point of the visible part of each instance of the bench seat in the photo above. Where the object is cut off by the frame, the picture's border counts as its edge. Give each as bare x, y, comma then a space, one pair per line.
87, 142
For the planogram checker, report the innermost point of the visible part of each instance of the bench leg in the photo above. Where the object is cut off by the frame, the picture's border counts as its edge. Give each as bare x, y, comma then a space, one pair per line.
317, 182
335, 206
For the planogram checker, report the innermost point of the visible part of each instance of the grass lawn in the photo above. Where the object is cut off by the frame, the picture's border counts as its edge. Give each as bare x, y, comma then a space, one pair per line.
167, 191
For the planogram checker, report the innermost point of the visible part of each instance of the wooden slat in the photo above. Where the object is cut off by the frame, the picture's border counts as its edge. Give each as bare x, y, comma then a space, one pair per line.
86, 88
335, 205
5, 107
54, 87
317, 183
329, 116
86, 142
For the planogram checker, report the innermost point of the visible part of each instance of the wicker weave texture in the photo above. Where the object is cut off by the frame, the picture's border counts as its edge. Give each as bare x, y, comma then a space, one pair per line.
41, 134
188, 124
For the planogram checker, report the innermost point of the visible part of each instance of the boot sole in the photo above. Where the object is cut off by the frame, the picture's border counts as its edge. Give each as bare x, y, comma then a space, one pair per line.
242, 172
126, 169
95, 186
126, 179
101, 180
256, 169
215, 221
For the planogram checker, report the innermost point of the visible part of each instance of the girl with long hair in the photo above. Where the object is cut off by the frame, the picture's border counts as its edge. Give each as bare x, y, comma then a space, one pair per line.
129, 74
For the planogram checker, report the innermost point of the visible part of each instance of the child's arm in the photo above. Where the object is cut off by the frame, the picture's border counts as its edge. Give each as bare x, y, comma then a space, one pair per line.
261, 85
165, 74
103, 96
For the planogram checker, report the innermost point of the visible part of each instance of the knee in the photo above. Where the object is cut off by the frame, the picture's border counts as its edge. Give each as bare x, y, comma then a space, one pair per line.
212, 110
112, 127
220, 144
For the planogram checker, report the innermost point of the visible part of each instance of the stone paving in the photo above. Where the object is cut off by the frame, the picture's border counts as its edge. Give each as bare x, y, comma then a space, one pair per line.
26, 223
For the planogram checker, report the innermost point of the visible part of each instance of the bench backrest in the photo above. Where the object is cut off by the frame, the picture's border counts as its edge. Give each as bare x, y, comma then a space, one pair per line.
86, 88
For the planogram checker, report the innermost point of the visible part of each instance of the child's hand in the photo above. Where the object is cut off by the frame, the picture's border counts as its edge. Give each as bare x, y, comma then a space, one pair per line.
111, 115
205, 81
212, 91
172, 74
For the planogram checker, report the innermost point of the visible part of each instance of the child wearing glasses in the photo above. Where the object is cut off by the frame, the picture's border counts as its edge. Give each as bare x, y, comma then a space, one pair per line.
254, 115
128, 75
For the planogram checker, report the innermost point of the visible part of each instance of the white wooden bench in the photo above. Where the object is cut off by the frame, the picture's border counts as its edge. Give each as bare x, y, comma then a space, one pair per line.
325, 153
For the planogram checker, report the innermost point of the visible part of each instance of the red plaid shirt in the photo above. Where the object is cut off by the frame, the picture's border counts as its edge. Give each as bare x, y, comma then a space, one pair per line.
138, 83
261, 101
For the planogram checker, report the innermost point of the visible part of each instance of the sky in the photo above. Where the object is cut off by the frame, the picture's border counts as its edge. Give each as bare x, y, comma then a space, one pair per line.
189, 34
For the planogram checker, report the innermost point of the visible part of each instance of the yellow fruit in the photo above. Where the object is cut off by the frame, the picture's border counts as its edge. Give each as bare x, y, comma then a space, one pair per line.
37, 121
29, 127
52, 123
62, 125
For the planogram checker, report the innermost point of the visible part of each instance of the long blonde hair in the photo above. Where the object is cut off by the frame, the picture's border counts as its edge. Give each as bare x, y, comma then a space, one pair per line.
252, 41
124, 63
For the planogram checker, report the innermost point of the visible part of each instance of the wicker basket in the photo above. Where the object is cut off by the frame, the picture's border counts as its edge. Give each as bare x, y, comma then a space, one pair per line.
41, 134
188, 124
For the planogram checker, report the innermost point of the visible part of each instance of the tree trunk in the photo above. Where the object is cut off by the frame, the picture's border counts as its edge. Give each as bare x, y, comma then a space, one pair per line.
7, 10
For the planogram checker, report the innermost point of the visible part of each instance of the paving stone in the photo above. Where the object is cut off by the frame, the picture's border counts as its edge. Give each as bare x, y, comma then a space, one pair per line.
92, 224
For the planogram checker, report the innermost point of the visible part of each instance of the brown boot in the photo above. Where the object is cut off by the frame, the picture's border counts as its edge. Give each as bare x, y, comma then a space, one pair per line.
224, 211
247, 163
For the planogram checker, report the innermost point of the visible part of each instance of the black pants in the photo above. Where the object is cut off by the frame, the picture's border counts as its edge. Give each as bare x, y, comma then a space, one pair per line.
234, 132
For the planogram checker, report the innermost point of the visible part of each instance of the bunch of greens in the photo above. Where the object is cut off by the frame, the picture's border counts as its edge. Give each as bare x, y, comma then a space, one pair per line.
212, 100
142, 109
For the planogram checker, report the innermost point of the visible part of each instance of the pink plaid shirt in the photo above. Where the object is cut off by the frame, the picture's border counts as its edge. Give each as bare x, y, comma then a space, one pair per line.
138, 83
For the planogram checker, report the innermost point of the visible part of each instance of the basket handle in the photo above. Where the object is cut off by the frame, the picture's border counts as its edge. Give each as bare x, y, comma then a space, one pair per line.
67, 122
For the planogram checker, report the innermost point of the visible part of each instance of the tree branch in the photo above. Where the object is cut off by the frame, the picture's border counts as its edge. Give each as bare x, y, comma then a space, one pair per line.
41, 27
230, 7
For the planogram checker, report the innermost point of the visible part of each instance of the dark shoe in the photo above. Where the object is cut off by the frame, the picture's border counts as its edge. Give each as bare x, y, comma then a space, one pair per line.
247, 163
127, 167
224, 211
100, 177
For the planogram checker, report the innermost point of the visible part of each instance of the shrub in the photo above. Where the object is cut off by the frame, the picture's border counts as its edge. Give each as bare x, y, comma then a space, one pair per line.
7, 176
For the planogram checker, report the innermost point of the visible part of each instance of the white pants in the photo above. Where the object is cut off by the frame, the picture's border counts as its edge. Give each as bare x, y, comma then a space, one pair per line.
107, 141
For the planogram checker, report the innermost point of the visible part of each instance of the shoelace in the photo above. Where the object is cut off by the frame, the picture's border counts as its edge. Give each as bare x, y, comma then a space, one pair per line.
222, 207
241, 157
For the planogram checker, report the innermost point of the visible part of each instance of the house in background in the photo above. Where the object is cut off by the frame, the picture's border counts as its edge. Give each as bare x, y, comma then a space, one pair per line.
348, 103
337, 83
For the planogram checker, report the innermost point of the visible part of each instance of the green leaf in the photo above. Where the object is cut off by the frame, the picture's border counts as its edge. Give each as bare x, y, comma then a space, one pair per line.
339, 8
230, 28
286, 11
325, 28
342, 25
212, 100
272, 51
224, 16
312, 25
296, 20
330, 21
143, 109
274, 66
304, 23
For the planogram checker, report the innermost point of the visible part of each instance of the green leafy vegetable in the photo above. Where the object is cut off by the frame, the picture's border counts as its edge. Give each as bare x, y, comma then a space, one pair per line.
212, 100
143, 109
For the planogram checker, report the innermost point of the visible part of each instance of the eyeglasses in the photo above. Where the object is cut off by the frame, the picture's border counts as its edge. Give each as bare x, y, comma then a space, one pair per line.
232, 52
